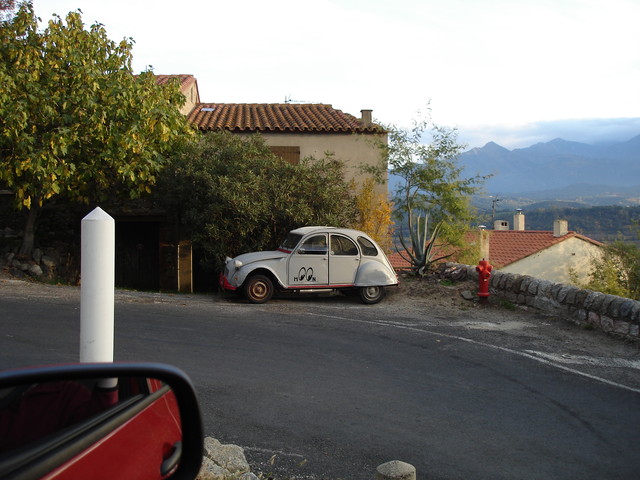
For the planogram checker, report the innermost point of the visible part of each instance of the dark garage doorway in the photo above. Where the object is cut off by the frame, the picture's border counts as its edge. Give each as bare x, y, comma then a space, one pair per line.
137, 255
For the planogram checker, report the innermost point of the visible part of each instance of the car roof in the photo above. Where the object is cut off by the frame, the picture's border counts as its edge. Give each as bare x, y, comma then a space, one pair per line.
346, 231
305, 230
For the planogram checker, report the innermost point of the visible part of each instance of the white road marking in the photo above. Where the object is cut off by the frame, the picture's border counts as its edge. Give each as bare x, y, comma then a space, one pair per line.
585, 360
525, 354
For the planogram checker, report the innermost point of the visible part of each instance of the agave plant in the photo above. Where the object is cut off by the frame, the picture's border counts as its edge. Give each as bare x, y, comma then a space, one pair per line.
421, 254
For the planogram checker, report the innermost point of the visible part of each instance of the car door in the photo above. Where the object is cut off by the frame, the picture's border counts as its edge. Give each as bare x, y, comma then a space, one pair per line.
309, 263
64, 423
344, 260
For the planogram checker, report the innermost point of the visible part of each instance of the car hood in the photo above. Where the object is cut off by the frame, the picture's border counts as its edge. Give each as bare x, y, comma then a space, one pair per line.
247, 258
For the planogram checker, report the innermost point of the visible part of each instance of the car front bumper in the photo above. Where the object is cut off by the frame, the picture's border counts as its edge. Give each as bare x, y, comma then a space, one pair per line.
224, 283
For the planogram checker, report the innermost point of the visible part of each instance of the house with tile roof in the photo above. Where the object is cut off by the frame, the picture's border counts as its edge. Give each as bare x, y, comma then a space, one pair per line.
293, 131
296, 131
548, 255
188, 88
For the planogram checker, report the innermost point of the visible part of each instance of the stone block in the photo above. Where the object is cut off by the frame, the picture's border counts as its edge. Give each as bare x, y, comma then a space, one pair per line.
48, 262
606, 324
563, 292
229, 457
395, 470
35, 271
555, 290
211, 471
570, 298
526, 281
594, 301
544, 304
581, 296
582, 315
544, 287
510, 283
621, 327
626, 309
594, 318
614, 307
606, 301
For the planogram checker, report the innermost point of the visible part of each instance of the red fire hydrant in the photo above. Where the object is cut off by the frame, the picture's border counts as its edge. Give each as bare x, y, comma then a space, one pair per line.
484, 274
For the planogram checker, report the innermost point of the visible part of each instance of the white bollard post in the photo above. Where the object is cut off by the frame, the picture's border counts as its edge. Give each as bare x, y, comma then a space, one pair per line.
97, 276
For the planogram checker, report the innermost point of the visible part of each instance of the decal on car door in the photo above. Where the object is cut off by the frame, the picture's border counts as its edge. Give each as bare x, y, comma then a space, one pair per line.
305, 275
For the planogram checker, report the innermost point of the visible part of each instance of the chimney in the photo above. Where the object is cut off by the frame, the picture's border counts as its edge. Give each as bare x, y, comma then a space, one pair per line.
366, 117
484, 242
560, 228
501, 225
518, 221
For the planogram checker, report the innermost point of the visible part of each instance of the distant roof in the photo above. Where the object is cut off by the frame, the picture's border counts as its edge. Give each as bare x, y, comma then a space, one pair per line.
277, 118
509, 246
185, 80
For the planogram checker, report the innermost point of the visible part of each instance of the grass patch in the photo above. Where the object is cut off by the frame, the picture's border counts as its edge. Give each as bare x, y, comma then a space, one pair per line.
507, 304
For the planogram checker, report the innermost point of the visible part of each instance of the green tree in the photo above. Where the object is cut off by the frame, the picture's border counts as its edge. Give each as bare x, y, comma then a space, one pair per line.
75, 121
231, 195
617, 272
432, 184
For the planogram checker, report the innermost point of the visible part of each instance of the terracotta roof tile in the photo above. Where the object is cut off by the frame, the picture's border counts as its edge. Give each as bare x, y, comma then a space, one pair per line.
274, 117
397, 262
185, 80
508, 246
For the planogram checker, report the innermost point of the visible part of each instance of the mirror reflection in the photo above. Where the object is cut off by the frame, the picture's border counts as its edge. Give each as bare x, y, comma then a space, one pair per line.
33, 412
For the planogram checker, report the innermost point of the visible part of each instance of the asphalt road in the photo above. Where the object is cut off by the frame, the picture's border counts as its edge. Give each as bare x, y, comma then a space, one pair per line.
330, 388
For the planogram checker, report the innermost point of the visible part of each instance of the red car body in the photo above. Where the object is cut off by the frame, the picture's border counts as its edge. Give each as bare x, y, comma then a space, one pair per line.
146, 425
152, 433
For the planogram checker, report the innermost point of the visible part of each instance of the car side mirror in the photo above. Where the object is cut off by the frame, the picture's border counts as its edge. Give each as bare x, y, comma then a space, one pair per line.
123, 420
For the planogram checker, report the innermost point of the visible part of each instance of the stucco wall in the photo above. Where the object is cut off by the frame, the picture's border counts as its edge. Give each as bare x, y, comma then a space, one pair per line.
353, 149
192, 98
555, 262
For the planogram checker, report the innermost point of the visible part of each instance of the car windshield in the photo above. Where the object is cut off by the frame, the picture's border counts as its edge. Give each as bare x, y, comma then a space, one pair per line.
290, 242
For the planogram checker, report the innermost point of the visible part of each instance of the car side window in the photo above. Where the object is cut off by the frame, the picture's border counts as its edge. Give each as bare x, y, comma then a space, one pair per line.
342, 246
34, 412
368, 248
316, 245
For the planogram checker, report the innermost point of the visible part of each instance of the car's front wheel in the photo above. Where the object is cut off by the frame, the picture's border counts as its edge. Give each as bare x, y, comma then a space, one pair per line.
371, 295
258, 289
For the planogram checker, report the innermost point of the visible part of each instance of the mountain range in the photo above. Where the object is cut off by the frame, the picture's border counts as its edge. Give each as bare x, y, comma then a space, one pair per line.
562, 168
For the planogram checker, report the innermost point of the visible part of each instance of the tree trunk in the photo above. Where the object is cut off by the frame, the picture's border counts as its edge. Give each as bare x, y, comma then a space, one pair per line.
29, 232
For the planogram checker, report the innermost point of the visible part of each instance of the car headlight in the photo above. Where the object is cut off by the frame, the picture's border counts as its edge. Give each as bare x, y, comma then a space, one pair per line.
237, 264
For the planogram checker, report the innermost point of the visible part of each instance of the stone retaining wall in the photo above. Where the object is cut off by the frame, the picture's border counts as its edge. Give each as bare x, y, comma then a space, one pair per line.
609, 313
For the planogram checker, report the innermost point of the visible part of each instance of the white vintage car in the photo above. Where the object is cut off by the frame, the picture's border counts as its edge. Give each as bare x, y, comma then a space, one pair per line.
313, 259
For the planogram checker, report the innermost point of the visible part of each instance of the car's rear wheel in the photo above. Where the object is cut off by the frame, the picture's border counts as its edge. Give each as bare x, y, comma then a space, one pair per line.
371, 295
258, 289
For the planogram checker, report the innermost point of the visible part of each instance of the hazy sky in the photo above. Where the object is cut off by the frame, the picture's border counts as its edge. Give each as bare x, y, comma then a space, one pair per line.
512, 71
